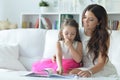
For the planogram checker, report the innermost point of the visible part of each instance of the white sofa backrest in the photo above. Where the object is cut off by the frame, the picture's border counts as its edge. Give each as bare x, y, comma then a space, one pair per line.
50, 43
114, 50
35, 44
8, 36
31, 43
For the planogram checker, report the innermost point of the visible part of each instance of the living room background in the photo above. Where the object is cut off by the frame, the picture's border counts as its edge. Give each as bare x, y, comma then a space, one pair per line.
12, 9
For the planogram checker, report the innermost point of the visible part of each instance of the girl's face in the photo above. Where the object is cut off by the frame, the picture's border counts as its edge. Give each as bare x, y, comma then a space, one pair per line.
69, 33
90, 21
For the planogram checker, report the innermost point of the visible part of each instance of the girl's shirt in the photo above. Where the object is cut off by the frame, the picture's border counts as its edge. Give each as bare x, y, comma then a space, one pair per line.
65, 51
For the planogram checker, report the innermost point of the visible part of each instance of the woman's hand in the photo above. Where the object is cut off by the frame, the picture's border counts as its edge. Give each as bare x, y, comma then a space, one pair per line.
84, 73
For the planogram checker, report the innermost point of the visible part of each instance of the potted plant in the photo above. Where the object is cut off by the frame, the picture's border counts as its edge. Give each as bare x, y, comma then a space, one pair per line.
43, 3
44, 6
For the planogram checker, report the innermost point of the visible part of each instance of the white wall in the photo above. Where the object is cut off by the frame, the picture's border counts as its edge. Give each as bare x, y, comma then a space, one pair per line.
1, 9
12, 9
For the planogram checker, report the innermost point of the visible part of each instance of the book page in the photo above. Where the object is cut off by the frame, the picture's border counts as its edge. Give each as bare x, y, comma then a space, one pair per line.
35, 75
52, 76
68, 76
48, 72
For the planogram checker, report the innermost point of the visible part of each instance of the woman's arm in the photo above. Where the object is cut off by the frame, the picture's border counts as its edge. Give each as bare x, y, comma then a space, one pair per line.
99, 66
101, 61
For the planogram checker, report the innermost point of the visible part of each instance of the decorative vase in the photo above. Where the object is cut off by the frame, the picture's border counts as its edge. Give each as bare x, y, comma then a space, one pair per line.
44, 9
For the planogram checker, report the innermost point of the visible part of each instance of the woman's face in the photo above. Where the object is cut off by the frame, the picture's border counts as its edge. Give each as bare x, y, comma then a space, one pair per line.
89, 21
69, 33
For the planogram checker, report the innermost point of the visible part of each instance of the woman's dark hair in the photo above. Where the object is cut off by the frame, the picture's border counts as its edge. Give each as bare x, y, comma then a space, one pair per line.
70, 23
100, 36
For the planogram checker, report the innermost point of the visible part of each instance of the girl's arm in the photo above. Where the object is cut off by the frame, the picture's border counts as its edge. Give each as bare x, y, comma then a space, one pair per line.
76, 53
59, 58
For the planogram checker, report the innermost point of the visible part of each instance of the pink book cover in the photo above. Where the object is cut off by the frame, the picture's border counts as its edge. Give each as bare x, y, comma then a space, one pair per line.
37, 23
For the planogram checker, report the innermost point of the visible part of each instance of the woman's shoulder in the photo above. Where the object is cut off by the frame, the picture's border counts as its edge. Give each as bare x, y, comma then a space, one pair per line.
83, 36
81, 30
77, 43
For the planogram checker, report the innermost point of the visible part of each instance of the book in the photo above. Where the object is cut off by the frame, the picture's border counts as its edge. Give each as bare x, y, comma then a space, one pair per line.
37, 23
24, 24
118, 26
48, 73
49, 24
56, 26
46, 23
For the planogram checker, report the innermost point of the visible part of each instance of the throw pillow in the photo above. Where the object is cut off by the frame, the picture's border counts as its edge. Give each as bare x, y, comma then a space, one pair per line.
9, 57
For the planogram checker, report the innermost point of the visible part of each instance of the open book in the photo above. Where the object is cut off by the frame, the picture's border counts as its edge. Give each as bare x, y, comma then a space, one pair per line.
48, 73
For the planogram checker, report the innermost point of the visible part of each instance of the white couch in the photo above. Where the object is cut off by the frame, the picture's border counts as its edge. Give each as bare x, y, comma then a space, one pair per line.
19, 48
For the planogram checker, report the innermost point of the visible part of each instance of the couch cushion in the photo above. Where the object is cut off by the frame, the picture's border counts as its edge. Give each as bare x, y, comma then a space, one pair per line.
9, 36
114, 50
50, 43
9, 57
31, 42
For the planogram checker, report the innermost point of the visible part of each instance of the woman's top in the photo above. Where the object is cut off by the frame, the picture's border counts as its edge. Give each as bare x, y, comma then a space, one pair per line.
65, 51
108, 69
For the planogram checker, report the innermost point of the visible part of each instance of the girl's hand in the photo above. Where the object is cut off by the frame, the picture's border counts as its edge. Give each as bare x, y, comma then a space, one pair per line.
54, 58
84, 73
68, 43
59, 71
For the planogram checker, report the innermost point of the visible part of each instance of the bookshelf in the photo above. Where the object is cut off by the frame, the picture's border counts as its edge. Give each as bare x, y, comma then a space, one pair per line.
29, 20
52, 20
112, 7
46, 20
114, 20
49, 21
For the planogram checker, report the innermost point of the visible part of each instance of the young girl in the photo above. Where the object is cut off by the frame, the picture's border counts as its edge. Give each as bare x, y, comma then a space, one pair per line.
69, 50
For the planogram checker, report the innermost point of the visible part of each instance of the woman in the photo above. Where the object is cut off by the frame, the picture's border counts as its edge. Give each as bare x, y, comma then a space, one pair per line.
96, 40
